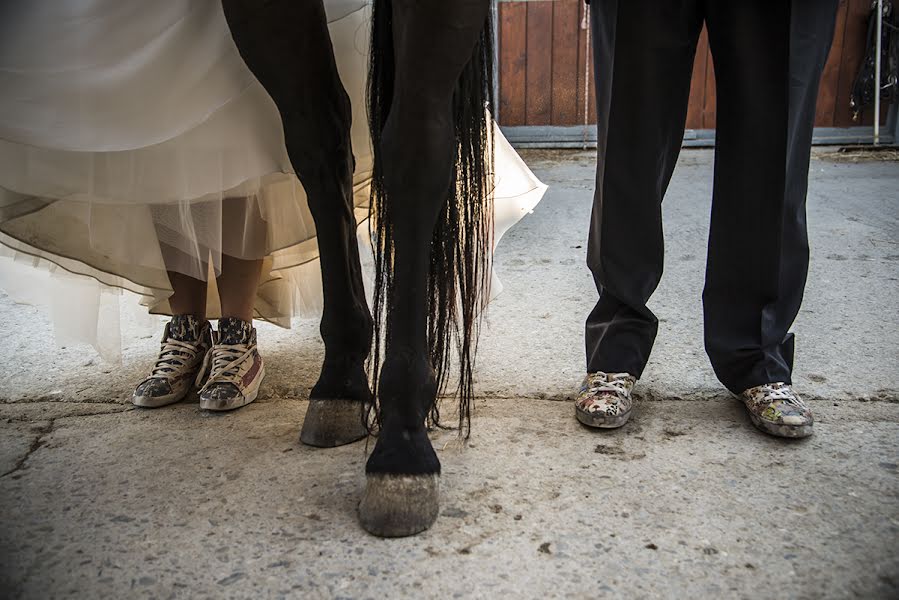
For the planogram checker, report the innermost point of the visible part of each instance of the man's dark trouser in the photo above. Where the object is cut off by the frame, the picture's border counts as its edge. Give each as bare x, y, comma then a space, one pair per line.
768, 57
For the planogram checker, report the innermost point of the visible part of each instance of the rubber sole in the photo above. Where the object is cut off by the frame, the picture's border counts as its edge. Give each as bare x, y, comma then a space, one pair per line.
159, 401
223, 405
600, 421
399, 505
331, 423
784, 431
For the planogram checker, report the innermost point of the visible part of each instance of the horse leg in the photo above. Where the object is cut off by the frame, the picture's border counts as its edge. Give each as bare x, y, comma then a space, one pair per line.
433, 40
287, 46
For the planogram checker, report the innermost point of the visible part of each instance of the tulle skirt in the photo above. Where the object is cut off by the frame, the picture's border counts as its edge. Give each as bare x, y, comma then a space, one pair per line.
134, 142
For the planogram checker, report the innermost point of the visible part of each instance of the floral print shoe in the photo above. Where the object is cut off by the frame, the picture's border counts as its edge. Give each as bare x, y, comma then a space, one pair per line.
604, 399
235, 367
185, 342
776, 409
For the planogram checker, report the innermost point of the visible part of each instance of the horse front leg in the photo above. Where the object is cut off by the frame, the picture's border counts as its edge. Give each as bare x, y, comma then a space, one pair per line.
287, 46
432, 43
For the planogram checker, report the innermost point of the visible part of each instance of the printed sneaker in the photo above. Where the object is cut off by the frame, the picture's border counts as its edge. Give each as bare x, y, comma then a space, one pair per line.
604, 399
776, 409
235, 367
185, 342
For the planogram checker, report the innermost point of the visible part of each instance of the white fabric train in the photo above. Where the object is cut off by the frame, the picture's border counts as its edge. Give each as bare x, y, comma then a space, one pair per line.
134, 140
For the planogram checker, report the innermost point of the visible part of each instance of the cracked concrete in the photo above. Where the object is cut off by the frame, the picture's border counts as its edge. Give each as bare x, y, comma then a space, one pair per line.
686, 501
101, 500
37, 431
28, 424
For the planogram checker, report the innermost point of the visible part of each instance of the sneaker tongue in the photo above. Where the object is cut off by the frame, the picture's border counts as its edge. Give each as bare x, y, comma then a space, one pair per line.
234, 331
185, 328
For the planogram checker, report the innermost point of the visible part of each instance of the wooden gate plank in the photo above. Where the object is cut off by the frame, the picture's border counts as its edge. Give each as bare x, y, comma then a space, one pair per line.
543, 54
710, 99
539, 76
697, 82
830, 79
512, 62
566, 30
853, 53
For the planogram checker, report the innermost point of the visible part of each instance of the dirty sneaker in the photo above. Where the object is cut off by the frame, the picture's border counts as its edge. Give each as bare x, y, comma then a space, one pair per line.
184, 344
776, 409
234, 365
604, 399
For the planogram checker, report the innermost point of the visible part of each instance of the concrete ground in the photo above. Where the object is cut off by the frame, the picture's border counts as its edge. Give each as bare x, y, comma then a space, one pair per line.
101, 500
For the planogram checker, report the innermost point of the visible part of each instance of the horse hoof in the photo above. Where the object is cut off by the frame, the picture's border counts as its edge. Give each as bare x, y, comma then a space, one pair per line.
399, 505
331, 423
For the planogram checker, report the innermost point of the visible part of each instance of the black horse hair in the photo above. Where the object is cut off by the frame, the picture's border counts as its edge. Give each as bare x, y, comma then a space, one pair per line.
462, 243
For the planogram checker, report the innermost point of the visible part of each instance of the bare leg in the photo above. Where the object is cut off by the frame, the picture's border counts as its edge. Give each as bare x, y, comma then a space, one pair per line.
433, 41
237, 286
286, 44
188, 297
178, 361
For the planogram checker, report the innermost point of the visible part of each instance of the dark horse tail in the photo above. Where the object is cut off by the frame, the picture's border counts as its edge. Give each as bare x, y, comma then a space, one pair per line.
461, 248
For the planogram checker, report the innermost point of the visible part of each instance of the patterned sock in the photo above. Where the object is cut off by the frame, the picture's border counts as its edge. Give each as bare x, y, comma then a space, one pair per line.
234, 331
185, 328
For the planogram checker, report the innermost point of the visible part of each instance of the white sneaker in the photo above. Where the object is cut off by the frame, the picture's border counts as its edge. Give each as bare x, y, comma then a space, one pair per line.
235, 367
185, 342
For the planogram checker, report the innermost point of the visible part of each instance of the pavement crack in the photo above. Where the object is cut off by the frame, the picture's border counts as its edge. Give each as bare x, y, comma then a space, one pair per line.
52, 398
98, 413
30, 418
36, 444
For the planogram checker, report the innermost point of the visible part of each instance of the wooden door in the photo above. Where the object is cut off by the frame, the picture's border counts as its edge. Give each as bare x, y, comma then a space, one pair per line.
545, 73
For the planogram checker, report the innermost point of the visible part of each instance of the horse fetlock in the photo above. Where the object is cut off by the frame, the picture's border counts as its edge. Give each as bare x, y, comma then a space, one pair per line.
403, 450
342, 377
407, 388
339, 402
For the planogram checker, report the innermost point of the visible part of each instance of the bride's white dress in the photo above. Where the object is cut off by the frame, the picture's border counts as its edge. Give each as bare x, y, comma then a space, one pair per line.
134, 141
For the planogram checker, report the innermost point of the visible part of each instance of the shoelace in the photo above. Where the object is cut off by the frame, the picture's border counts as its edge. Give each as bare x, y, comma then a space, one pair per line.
785, 393
223, 363
173, 355
599, 384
